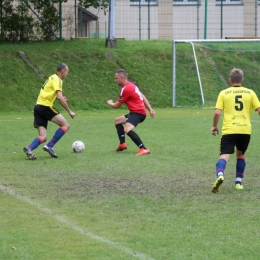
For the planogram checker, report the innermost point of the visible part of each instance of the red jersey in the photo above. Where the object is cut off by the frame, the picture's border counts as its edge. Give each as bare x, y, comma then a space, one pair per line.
132, 97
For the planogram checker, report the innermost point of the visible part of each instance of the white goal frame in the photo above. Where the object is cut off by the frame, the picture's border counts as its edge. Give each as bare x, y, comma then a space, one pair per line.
174, 42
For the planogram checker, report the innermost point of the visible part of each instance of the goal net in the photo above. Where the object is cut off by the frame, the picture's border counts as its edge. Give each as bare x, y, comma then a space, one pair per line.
201, 69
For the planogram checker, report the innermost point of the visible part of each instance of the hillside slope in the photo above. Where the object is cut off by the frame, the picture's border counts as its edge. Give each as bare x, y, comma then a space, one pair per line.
91, 72
149, 64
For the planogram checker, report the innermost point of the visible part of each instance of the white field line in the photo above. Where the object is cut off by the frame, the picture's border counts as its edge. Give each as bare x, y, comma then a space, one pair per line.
8, 120
70, 224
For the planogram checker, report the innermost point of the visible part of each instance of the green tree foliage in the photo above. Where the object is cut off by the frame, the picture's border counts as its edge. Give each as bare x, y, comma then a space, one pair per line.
18, 22
49, 24
15, 23
95, 3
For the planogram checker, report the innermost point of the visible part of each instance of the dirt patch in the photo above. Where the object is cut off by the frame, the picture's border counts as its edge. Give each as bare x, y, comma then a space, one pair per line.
154, 187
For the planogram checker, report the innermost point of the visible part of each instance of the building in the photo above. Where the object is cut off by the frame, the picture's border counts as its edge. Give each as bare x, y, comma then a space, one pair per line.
165, 19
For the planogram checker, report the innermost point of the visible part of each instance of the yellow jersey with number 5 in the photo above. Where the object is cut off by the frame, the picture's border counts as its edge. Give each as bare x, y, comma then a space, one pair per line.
237, 104
48, 92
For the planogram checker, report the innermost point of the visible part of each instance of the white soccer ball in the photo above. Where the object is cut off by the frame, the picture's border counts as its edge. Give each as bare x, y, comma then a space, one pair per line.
78, 147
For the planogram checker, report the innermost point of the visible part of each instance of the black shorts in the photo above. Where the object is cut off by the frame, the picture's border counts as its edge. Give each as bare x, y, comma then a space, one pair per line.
230, 141
43, 114
135, 118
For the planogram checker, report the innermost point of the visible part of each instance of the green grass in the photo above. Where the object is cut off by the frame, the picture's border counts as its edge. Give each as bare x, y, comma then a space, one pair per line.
92, 68
107, 205
214, 63
103, 204
149, 63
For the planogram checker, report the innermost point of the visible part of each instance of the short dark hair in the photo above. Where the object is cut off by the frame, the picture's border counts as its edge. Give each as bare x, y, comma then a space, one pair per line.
123, 73
61, 67
236, 75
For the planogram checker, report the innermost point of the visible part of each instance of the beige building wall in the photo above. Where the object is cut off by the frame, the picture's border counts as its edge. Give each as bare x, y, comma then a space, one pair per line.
132, 20
169, 21
232, 21
185, 22
165, 20
250, 17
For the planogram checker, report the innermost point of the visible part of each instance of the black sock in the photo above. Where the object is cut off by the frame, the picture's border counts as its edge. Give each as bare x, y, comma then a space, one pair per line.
136, 139
121, 133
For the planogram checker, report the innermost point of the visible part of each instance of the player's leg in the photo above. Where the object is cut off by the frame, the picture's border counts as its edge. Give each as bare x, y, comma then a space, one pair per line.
64, 127
133, 119
227, 144
242, 145
221, 164
240, 168
41, 124
220, 169
119, 121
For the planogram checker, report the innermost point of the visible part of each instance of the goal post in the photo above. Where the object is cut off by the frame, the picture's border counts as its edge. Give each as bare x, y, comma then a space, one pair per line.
200, 68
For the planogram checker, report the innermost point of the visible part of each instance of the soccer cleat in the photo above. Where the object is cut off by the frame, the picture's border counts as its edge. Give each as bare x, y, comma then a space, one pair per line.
143, 151
217, 183
29, 153
50, 151
121, 147
239, 186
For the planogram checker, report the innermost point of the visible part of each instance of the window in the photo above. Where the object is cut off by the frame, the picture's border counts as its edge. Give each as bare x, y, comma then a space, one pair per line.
186, 2
229, 2
143, 2
196, 2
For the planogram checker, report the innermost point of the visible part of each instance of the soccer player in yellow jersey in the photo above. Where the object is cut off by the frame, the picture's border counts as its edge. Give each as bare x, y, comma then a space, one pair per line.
44, 112
237, 103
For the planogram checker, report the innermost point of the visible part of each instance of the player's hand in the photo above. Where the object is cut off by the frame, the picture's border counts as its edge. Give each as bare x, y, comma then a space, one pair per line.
110, 102
214, 130
152, 113
72, 114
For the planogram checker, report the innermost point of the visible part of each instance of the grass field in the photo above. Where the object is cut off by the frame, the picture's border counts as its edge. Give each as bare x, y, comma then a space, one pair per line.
149, 64
107, 205
92, 67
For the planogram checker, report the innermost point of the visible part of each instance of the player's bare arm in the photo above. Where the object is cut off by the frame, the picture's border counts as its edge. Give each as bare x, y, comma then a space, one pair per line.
114, 105
63, 102
148, 106
216, 117
258, 110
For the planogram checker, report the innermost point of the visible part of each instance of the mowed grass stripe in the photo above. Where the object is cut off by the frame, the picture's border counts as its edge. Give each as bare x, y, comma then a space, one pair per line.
72, 225
160, 205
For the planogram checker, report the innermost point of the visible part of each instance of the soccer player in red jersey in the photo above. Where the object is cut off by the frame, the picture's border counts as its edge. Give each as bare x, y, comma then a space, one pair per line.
137, 103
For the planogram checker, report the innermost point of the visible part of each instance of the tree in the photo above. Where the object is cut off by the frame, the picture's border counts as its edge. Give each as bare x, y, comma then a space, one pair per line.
49, 18
18, 24
103, 4
84, 3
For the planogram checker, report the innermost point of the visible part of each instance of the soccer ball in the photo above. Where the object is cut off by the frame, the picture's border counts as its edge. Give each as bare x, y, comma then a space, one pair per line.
78, 147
